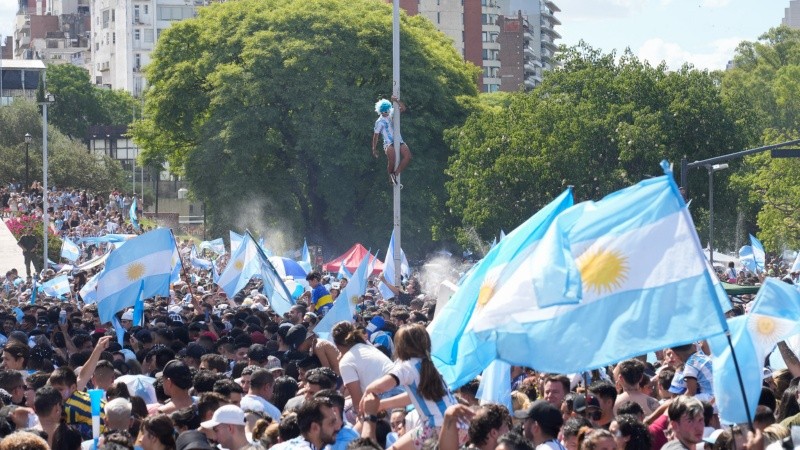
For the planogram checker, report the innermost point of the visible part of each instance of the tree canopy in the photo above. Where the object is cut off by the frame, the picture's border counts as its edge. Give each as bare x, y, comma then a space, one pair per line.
599, 124
79, 104
70, 164
267, 108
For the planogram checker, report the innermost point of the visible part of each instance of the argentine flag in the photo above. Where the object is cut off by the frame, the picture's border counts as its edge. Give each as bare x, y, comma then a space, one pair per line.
217, 246
627, 276
89, 290
69, 250
141, 269
56, 287
134, 219
236, 240
243, 265
458, 354
198, 262
759, 256
774, 316
345, 305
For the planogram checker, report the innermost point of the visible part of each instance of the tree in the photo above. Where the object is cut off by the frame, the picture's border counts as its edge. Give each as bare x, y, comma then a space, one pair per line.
599, 125
272, 124
761, 90
70, 164
79, 104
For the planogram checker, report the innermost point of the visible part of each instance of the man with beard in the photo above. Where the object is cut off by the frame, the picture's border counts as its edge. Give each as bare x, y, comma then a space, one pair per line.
228, 425
318, 424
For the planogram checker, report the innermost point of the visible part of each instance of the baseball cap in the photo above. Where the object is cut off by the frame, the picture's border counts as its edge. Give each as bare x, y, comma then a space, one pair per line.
582, 401
228, 414
192, 440
258, 353
127, 315
544, 413
711, 438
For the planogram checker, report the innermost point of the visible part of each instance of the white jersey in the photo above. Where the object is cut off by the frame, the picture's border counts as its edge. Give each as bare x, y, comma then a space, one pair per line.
430, 411
383, 126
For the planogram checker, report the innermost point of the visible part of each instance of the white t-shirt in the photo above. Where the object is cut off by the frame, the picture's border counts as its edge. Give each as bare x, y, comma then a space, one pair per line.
364, 363
256, 403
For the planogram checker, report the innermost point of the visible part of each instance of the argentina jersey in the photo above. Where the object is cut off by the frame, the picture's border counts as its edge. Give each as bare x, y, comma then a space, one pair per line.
430, 411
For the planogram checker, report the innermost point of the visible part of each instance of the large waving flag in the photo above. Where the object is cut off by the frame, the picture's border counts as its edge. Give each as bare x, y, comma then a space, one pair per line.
747, 259
217, 246
774, 316
460, 356
243, 265
198, 262
134, 218
236, 240
56, 287
388, 269
280, 299
343, 273
89, 290
141, 269
345, 305
758, 253
69, 250
634, 262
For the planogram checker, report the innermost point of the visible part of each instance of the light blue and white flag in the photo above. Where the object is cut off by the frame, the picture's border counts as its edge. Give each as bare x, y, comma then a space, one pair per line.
197, 262
34, 290
69, 250
142, 268
774, 316
343, 273
134, 218
119, 330
56, 287
796, 264
758, 253
747, 260
458, 354
502, 234
217, 246
243, 265
305, 256
262, 244
388, 269
89, 290
635, 265
495, 386
344, 307
214, 272
236, 239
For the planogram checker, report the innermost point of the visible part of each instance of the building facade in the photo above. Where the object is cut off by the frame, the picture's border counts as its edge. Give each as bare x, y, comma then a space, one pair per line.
56, 32
19, 79
791, 16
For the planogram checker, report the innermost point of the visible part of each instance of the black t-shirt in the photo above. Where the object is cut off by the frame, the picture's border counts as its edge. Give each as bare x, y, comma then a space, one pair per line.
28, 242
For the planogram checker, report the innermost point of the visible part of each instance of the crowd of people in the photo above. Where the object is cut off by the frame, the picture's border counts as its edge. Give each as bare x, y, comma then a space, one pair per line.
203, 370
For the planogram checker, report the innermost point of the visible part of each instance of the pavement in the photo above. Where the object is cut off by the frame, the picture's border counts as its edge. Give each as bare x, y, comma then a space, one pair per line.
10, 253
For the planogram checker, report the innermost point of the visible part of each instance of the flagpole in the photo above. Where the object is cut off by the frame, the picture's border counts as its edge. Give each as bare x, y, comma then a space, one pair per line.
183, 268
396, 117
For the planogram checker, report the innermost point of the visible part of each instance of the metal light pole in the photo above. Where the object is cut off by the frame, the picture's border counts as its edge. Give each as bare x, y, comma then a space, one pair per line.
396, 123
28, 139
711, 170
48, 98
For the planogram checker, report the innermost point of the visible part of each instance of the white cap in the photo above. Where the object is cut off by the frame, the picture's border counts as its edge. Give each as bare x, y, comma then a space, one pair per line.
127, 315
228, 414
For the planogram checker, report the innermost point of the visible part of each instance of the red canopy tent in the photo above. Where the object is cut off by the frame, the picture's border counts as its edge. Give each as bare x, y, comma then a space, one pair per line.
351, 259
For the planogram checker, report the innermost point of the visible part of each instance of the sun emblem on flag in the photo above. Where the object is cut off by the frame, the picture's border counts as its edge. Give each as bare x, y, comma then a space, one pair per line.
354, 299
603, 270
489, 284
238, 264
135, 271
768, 330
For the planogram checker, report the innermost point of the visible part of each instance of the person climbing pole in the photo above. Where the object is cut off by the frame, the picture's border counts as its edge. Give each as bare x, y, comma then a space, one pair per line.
384, 128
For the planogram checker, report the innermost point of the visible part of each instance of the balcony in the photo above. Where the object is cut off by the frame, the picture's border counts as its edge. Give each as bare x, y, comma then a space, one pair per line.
530, 68
551, 6
549, 45
529, 52
105, 66
550, 32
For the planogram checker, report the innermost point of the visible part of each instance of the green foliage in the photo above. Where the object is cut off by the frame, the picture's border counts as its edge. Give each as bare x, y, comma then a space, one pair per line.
762, 93
267, 107
599, 125
69, 162
79, 104
29, 224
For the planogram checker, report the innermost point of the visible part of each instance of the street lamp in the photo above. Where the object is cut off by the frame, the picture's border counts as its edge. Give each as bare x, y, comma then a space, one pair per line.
711, 170
28, 139
48, 99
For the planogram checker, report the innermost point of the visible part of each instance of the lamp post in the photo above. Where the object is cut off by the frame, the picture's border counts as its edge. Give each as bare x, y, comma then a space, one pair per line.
28, 139
711, 170
48, 99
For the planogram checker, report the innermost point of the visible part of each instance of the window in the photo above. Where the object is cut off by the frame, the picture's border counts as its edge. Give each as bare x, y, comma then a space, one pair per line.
137, 60
438, 17
106, 17
112, 14
147, 9
113, 38
137, 34
136, 13
148, 35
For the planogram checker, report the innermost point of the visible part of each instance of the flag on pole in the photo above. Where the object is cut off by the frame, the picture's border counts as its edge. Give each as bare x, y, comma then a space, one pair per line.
198, 262
280, 299
344, 307
217, 246
758, 254
88, 291
388, 269
634, 264
243, 265
343, 273
69, 250
774, 316
747, 259
236, 239
134, 219
119, 329
305, 255
460, 356
56, 287
143, 268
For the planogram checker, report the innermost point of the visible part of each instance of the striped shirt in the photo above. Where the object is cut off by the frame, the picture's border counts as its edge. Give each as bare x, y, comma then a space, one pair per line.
78, 412
431, 411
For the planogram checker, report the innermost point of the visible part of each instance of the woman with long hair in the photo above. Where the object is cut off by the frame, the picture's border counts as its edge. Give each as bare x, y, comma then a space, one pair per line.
598, 439
361, 363
629, 433
157, 433
415, 372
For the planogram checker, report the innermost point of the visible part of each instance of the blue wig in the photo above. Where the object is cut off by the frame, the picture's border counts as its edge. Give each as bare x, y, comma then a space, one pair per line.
383, 106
